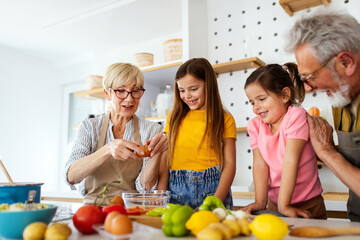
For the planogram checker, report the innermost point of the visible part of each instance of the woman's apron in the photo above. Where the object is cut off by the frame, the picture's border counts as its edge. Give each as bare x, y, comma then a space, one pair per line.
112, 169
349, 147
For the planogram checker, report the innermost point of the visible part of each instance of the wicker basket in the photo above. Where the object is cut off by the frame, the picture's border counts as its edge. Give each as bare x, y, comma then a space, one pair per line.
173, 49
143, 59
93, 81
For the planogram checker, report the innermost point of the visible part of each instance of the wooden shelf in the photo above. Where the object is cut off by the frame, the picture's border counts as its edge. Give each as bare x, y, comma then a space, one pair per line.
241, 130
161, 66
151, 74
291, 6
167, 71
95, 93
238, 65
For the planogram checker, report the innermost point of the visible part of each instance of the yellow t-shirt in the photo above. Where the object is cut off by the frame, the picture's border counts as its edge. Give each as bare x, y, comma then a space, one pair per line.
190, 132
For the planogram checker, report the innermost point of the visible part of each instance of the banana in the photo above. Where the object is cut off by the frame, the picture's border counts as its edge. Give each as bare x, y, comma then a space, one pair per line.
233, 224
209, 234
227, 232
244, 224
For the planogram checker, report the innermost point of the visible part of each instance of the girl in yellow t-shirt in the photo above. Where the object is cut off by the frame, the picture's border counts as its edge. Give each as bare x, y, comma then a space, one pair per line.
201, 136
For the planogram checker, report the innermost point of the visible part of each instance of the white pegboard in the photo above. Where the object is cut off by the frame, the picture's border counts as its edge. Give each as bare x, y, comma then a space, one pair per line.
240, 29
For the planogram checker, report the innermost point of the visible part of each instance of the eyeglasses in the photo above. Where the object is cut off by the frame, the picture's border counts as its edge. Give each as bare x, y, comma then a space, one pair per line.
122, 93
304, 78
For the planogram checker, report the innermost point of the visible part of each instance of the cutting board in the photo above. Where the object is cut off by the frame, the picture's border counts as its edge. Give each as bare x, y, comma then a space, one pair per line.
150, 221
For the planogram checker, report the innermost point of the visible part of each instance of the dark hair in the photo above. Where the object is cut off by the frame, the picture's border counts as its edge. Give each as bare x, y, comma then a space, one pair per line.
201, 69
274, 78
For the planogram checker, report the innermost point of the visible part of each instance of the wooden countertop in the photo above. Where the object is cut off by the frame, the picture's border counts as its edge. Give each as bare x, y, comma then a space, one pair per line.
328, 196
146, 232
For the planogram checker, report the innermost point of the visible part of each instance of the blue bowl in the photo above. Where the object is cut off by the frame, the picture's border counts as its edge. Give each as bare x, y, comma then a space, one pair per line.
19, 192
13, 223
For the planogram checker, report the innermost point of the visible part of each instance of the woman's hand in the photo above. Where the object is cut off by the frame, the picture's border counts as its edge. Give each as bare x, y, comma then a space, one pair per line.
157, 144
255, 206
123, 150
289, 211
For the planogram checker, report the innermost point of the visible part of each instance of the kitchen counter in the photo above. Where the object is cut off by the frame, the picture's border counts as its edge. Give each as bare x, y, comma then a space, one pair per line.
146, 232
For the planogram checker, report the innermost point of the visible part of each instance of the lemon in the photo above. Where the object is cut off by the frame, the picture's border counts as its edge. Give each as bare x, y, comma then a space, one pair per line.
268, 227
34, 231
200, 220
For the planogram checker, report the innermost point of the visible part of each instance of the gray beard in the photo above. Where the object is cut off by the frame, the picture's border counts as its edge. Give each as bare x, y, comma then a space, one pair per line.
341, 97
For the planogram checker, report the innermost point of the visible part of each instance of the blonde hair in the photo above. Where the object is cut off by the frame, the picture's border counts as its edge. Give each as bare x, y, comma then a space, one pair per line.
121, 74
202, 69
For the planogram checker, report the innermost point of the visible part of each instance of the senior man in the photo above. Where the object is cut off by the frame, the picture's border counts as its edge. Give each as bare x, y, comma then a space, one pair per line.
327, 50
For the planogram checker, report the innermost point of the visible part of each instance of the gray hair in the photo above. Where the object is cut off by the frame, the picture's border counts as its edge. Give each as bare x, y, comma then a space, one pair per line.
327, 33
122, 74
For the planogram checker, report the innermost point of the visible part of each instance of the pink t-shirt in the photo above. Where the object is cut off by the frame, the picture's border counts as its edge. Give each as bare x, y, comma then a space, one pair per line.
272, 149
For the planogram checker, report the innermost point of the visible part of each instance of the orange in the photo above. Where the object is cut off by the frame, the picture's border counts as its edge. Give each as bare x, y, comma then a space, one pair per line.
314, 111
146, 151
121, 224
108, 220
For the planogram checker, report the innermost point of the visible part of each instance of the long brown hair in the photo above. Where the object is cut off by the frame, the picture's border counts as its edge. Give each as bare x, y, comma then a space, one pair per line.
274, 78
202, 69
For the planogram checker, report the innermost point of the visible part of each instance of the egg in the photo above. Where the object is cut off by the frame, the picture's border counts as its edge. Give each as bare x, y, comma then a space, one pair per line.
146, 151
108, 220
121, 224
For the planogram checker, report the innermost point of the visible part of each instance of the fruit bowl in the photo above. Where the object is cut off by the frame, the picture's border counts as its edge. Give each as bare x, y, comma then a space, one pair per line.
156, 198
13, 223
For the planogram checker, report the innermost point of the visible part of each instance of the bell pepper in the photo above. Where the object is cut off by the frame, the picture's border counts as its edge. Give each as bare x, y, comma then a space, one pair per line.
210, 203
174, 220
110, 208
156, 212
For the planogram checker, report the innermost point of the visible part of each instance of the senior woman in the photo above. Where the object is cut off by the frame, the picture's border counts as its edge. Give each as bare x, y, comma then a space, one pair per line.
104, 150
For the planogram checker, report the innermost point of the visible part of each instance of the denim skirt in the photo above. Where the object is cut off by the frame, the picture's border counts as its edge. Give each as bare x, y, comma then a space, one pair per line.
192, 187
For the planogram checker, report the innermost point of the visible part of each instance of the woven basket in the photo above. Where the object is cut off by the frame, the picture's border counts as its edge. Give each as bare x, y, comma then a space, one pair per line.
173, 49
93, 81
143, 59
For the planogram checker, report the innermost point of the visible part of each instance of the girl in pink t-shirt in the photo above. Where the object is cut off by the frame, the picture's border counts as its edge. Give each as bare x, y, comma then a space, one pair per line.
284, 168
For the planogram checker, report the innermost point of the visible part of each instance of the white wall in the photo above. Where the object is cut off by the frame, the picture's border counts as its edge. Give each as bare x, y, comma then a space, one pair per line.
30, 105
257, 28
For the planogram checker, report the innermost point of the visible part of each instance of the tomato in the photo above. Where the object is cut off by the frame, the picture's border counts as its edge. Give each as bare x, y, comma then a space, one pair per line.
86, 216
118, 208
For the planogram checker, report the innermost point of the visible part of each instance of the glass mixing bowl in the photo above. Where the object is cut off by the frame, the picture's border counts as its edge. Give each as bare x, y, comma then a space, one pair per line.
156, 198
